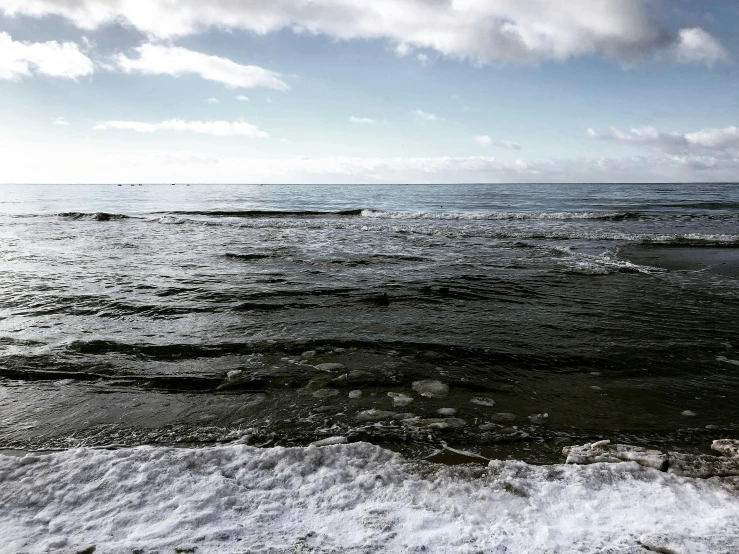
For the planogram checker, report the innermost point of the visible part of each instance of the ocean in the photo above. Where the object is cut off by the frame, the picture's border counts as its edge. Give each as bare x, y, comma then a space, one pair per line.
169, 352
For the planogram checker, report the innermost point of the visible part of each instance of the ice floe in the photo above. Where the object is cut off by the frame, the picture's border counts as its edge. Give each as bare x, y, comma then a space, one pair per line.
681, 544
354, 498
435, 423
400, 399
483, 401
689, 465
329, 366
727, 447
431, 389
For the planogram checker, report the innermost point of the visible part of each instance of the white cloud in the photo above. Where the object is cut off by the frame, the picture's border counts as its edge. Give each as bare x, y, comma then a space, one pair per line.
216, 128
363, 120
425, 116
485, 140
175, 61
480, 30
706, 141
68, 162
60, 121
242, 98
212, 100
695, 46
23, 59
423, 58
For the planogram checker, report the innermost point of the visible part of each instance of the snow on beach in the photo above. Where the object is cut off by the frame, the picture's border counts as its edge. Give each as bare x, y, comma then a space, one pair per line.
342, 498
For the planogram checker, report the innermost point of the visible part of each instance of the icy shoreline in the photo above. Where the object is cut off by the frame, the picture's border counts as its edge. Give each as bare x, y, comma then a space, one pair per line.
353, 498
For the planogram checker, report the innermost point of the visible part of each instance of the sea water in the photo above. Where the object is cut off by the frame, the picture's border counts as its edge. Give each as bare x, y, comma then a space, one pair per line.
209, 334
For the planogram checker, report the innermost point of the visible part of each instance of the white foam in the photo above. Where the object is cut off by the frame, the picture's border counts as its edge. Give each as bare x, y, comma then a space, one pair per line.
343, 498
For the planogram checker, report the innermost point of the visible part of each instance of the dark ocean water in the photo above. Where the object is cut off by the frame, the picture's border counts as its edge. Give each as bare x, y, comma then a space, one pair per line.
197, 314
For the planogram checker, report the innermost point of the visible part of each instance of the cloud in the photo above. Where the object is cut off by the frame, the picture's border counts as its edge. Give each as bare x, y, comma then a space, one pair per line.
706, 141
363, 120
242, 98
23, 59
483, 31
425, 116
212, 100
68, 162
215, 128
695, 46
175, 61
60, 121
485, 140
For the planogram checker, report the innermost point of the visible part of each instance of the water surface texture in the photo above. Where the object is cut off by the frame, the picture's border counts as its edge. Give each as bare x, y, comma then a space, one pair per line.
504, 320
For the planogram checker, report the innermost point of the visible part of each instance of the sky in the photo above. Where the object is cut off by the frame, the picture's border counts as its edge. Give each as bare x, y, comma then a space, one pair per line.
377, 91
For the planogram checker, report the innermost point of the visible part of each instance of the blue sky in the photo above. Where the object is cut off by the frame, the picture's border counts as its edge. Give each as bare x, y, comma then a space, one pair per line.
337, 91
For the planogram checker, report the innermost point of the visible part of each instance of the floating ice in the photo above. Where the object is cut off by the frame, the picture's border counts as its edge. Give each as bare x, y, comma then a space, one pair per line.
681, 544
234, 374
431, 389
355, 394
538, 419
703, 466
308, 354
688, 465
436, 423
325, 393
329, 366
502, 416
374, 415
446, 411
688, 413
604, 451
727, 447
329, 441
348, 498
400, 399
483, 401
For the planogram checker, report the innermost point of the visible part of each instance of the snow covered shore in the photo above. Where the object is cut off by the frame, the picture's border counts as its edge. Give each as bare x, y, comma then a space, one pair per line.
350, 498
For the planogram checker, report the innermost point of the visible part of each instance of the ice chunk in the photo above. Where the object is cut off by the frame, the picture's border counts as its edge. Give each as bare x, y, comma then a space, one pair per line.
329, 366
355, 394
681, 544
234, 374
329, 441
400, 399
431, 389
374, 415
447, 411
308, 354
325, 393
703, 466
483, 401
688, 413
538, 419
503, 416
727, 447
603, 451
436, 423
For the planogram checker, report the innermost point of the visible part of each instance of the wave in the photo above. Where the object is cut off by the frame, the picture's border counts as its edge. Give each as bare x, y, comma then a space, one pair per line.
96, 216
473, 230
348, 498
262, 213
617, 216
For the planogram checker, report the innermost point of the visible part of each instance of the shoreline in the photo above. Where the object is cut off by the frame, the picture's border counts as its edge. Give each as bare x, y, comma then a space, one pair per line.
353, 498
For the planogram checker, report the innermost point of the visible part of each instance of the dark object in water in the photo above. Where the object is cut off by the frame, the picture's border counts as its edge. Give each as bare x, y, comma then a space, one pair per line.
382, 300
444, 291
